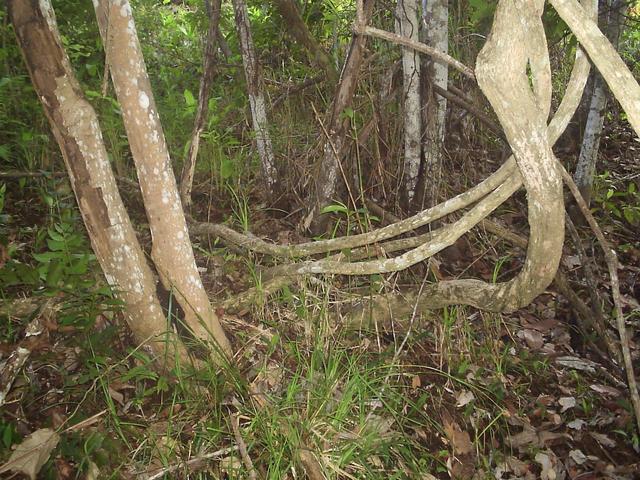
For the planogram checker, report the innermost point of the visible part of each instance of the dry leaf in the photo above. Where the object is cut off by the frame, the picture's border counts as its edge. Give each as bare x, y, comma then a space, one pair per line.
32, 453
548, 471
605, 390
603, 440
566, 403
458, 438
576, 363
577, 456
533, 338
576, 424
464, 398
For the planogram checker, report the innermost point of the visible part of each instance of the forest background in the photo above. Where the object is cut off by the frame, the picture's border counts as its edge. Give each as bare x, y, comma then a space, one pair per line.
315, 371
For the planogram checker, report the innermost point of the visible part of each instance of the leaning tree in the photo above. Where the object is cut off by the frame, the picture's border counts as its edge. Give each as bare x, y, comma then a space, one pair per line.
513, 71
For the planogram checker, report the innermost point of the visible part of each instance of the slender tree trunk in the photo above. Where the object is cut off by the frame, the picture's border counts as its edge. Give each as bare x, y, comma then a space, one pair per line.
437, 36
407, 26
75, 126
300, 32
326, 182
171, 251
256, 97
189, 167
586, 166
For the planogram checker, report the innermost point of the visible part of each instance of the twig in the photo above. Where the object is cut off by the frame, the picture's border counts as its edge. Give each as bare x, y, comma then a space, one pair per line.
242, 447
193, 464
612, 263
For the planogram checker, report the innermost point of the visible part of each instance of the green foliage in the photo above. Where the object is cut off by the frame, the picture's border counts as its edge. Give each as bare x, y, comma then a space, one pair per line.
352, 219
623, 204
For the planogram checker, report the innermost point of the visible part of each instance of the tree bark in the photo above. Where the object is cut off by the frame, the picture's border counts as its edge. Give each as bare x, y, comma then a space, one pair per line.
328, 167
189, 167
75, 126
437, 36
171, 251
586, 166
407, 26
256, 97
300, 32
604, 56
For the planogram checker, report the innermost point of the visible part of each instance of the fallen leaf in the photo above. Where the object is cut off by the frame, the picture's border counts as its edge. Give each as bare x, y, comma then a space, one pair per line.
533, 338
605, 390
32, 453
576, 363
571, 261
464, 397
577, 456
548, 470
566, 403
603, 440
459, 439
576, 424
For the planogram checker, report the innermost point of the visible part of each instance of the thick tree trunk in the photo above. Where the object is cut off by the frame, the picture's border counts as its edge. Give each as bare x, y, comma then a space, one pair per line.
300, 32
586, 166
171, 251
407, 26
437, 36
329, 165
256, 97
189, 167
75, 126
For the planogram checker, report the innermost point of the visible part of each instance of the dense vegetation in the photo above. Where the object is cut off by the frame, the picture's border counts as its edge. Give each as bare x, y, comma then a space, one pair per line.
453, 392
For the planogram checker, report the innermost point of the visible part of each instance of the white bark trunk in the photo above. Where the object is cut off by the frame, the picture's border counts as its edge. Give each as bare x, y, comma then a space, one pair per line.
171, 252
75, 126
437, 35
256, 97
586, 167
407, 26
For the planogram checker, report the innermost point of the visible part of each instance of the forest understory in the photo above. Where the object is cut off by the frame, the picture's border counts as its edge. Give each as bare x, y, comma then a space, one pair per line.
321, 378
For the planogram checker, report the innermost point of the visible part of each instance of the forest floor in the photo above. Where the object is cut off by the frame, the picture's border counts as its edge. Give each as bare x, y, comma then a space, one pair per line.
459, 393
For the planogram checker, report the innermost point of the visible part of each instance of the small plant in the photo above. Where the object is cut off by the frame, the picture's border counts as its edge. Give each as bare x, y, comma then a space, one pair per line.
623, 204
352, 218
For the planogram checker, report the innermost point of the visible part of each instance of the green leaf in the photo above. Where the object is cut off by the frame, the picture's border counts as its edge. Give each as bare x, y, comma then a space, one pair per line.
226, 168
56, 246
189, 99
335, 208
54, 274
45, 257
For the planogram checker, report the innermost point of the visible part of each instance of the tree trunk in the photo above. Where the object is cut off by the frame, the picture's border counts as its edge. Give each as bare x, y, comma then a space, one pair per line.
171, 251
437, 36
604, 56
586, 166
300, 32
189, 167
256, 98
407, 26
75, 126
327, 178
